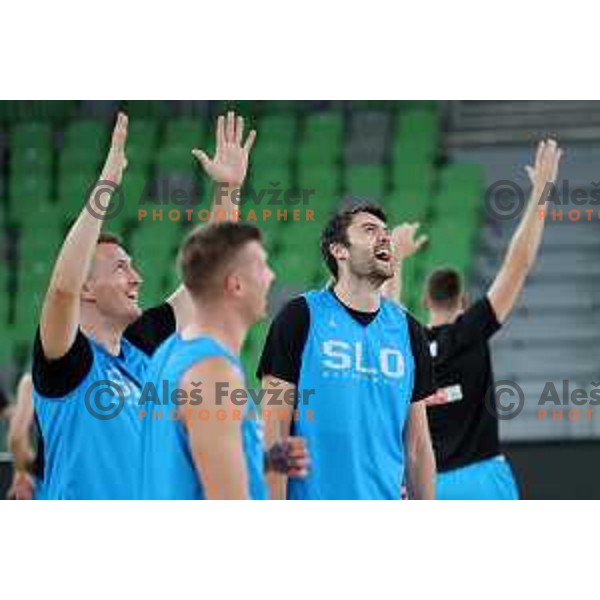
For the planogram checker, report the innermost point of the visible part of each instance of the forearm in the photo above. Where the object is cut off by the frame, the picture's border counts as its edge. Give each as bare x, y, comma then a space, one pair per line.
421, 472
526, 240
76, 255
22, 451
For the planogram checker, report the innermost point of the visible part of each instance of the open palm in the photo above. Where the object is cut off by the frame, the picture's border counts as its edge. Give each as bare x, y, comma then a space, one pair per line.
116, 162
230, 162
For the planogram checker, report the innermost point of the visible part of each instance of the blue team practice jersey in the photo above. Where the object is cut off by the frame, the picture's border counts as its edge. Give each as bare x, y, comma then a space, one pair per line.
362, 377
92, 435
168, 467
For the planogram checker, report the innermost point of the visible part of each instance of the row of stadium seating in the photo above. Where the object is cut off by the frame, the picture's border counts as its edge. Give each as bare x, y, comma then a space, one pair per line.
49, 169
13, 111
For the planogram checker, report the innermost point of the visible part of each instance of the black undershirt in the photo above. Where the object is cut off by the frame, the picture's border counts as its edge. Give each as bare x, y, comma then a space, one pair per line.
464, 431
282, 353
58, 377
4, 401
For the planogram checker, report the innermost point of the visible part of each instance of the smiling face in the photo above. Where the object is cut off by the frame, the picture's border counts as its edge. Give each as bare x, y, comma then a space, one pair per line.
369, 251
113, 285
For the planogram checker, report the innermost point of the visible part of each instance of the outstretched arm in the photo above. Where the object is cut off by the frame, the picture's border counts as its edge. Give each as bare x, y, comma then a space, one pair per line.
228, 167
227, 170
526, 240
60, 311
405, 243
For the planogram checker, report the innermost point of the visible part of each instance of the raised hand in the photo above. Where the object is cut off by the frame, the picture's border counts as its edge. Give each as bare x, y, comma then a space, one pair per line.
405, 241
545, 168
116, 162
230, 162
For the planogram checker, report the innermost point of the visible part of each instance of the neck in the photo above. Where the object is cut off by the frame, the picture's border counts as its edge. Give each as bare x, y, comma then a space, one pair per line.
106, 333
226, 325
358, 294
442, 317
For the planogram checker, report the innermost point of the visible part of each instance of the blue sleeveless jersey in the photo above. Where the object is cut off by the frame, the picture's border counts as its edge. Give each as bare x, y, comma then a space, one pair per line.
168, 470
362, 377
89, 454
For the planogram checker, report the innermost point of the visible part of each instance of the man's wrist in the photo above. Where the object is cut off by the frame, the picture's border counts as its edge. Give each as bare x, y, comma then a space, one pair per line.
227, 191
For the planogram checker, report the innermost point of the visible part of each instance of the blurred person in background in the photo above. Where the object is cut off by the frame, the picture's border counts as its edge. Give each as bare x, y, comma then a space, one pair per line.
463, 412
21, 437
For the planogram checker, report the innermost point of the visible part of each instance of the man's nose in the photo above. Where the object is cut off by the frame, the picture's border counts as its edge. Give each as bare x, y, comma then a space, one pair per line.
136, 277
385, 236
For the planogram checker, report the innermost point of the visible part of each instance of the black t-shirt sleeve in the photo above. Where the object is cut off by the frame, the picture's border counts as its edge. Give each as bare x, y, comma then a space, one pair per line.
282, 353
57, 377
477, 324
4, 402
153, 327
423, 385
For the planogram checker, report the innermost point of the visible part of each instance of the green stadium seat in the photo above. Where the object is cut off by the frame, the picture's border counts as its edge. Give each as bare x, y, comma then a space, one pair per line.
26, 192
324, 129
135, 188
265, 182
86, 158
87, 132
297, 268
176, 157
450, 245
73, 191
325, 181
309, 156
153, 248
185, 132
365, 181
31, 135
418, 122
416, 177
406, 207
144, 109
271, 154
405, 149
379, 105
282, 106
31, 161
467, 177
4, 297
8, 111
142, 138
278, 128
37, 110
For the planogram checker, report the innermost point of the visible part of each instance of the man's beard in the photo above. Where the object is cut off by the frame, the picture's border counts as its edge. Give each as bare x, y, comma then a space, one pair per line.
374, 273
